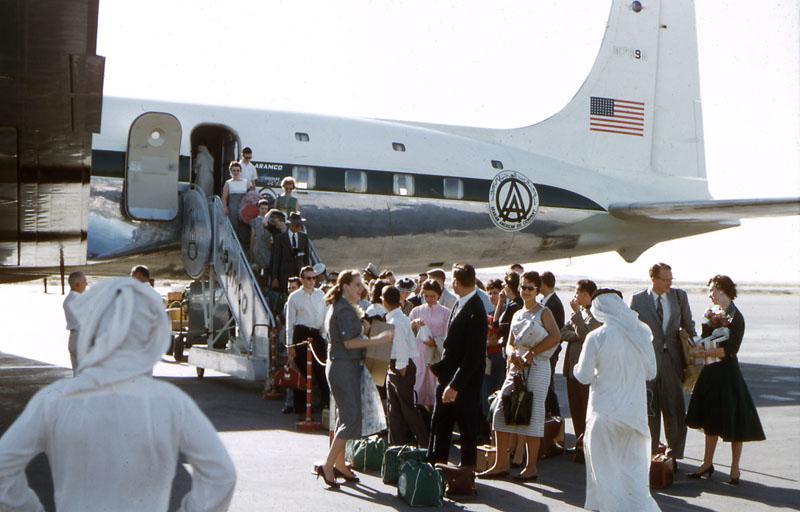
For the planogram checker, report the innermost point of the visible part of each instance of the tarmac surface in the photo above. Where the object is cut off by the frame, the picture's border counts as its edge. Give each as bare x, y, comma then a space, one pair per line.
273, 461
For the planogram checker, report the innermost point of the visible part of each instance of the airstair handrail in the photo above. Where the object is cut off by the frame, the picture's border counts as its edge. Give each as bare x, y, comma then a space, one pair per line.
235, 276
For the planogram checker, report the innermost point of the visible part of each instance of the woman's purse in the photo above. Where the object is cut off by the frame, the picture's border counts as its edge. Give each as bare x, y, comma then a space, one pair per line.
288, 377
518, 406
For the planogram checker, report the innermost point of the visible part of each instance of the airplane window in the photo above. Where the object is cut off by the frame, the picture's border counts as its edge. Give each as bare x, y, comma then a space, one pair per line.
302, 137
497, 164
403, 185
355, 181
304, 176
398, 146
453, 188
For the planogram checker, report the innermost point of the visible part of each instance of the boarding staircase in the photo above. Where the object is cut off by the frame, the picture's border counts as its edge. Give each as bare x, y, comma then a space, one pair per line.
212, 254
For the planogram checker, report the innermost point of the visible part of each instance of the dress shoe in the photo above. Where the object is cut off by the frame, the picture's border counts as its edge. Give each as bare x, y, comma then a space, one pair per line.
320, 472
526, 478
697, 475
734, 481
486, 475
570, 451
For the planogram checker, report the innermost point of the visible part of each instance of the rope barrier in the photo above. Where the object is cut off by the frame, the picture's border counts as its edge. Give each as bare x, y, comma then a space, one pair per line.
311, 346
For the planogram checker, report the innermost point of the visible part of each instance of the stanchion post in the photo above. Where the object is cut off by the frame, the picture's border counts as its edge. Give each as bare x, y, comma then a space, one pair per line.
308, 424
272, 393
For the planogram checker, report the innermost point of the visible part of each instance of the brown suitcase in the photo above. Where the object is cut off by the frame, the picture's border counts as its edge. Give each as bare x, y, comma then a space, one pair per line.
486, 456
661, 471
457, 481
553, 441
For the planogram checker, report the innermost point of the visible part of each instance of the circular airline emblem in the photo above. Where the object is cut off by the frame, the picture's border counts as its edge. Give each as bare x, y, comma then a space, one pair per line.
513, 201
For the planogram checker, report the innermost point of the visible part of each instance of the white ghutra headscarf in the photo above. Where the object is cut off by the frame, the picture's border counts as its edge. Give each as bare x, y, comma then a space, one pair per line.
124, 330
610, 309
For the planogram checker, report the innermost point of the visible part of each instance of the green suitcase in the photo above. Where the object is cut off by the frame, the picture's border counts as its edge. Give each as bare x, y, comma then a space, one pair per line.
365, 454
420, 485
394, 458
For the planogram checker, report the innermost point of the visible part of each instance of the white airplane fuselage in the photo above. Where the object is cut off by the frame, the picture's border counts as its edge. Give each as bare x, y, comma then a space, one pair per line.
405, 232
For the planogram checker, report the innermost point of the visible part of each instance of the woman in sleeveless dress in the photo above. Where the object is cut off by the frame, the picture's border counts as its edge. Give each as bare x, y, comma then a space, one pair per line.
232, 193
721, 404
533, 336
286, 202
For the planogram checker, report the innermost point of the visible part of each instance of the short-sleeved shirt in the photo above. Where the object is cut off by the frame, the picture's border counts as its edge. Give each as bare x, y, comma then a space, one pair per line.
342, 324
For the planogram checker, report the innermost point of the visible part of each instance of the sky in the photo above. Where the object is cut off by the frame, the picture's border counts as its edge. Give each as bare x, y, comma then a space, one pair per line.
488, 64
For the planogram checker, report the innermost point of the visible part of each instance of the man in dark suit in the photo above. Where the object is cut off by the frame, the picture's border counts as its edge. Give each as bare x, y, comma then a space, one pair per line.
460, 373
581, 323
290, 252
551, 301
665, 310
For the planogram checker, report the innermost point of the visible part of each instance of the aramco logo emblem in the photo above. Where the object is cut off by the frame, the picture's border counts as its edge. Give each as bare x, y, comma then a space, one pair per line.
513, 201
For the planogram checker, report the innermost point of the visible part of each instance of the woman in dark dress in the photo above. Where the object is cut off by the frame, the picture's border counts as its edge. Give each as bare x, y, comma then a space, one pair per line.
344, 370
721, 404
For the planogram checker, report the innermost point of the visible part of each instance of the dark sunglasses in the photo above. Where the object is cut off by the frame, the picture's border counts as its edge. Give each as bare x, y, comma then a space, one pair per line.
527, 288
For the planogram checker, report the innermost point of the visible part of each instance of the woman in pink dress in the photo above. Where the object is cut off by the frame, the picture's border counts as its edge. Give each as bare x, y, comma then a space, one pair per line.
433, 316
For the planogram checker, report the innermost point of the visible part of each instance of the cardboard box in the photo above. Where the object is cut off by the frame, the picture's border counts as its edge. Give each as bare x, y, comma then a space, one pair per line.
486, 456
377, 357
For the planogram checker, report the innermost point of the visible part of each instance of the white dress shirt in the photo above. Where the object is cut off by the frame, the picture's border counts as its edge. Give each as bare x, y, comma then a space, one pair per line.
304, 308
249, 171
72, 320
404, 343
460, 303
664, 304
545, 298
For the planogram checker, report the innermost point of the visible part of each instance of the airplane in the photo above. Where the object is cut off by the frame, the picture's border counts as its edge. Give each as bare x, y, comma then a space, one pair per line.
621, 167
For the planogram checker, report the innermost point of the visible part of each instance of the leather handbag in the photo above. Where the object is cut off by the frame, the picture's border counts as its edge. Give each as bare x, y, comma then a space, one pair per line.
661, 471
288, 377
518, 406
457, 480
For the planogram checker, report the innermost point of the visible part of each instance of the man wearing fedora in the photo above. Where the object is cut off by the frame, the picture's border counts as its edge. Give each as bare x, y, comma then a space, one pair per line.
290, 252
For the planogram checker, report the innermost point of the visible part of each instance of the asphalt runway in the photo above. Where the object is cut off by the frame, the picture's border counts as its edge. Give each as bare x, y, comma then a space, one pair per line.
274, 461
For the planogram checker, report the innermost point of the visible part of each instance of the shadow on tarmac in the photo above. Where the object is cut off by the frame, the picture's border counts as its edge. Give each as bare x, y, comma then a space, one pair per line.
234, 405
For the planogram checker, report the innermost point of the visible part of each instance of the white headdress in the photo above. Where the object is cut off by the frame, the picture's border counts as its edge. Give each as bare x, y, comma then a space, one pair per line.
123, 331
610, 309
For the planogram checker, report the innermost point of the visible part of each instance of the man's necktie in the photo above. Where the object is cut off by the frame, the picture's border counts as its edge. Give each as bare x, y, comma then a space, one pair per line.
294, 246
660, 315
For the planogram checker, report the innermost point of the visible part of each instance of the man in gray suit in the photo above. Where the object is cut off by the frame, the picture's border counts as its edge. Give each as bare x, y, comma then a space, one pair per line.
665, 310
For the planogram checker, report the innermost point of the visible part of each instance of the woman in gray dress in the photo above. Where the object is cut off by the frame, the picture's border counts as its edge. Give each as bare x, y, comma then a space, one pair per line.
344, 370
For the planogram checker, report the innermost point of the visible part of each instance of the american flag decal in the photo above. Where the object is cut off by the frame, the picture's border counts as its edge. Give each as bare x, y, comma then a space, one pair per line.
616, 116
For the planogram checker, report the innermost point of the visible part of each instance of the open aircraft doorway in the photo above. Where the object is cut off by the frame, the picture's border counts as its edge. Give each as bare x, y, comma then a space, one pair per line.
214, 146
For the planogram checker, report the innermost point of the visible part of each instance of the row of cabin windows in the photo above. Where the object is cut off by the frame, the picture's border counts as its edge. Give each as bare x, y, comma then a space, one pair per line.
397, 146
356, 181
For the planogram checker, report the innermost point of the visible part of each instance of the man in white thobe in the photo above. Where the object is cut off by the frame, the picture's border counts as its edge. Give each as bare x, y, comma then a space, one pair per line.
616, 362
77, 285
112, 434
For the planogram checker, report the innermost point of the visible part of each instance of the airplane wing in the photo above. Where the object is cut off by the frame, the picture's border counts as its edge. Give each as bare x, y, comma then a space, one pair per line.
706, 211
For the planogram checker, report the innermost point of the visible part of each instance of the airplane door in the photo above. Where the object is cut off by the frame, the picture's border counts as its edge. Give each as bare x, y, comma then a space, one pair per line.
151, 172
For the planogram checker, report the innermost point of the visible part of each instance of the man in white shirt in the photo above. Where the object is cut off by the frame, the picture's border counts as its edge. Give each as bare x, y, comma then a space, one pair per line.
447, 298
249, 171
403, 414
77, 285
305, 314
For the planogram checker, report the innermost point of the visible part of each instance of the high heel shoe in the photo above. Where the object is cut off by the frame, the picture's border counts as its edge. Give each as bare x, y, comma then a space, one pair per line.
352, 479
320, 472
699, 474
734, 481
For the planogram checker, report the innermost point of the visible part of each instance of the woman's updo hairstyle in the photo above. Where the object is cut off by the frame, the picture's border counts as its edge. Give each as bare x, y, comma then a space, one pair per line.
432, 286
335, 293
533, 277
724, 284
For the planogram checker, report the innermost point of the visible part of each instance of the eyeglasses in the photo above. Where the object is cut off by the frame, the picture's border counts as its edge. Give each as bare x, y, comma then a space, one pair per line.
307, 278
527, 288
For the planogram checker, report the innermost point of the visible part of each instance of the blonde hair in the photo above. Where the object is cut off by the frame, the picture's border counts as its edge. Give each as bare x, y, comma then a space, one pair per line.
345, 277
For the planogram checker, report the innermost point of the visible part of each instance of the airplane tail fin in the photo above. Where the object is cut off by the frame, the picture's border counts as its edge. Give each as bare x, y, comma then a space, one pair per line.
639, 108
